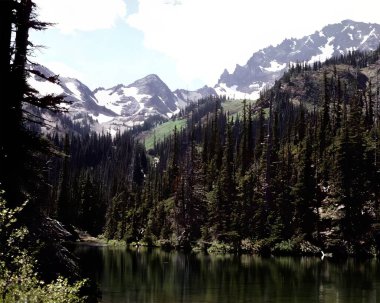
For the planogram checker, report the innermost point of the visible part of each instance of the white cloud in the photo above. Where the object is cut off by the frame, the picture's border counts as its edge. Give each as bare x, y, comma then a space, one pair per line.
206, 36
81, 15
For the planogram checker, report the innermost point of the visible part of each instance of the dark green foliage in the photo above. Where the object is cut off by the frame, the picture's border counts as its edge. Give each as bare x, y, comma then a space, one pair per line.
304, 193
21, 168
190, 200
24, 159
301, 165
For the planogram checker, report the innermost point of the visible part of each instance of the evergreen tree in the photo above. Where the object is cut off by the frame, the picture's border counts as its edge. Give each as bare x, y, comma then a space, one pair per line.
65, 211
190, 200
305, 193
19, 148
223, 210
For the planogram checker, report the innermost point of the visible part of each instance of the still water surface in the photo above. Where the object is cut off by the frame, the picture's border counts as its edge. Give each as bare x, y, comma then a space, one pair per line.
155, 276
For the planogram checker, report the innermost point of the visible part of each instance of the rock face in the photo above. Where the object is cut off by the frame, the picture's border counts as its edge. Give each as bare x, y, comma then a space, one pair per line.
268, 64
184, 96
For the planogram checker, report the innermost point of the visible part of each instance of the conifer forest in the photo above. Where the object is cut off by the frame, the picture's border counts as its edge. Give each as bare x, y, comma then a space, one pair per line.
295, 172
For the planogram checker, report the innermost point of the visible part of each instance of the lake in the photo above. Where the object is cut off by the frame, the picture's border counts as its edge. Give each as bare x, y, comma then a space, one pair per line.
155, 276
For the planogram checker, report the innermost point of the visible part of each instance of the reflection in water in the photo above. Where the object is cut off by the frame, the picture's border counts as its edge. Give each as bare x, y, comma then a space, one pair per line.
155, 276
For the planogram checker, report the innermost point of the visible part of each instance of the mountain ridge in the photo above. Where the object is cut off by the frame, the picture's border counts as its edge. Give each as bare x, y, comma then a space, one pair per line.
268, 64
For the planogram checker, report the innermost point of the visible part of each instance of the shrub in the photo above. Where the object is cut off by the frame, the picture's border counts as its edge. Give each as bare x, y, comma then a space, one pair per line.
19, 281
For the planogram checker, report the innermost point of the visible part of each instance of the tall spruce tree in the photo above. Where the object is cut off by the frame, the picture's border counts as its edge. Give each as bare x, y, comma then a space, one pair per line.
18, 146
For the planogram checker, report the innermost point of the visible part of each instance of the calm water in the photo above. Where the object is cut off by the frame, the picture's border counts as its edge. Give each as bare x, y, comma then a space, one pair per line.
141, 276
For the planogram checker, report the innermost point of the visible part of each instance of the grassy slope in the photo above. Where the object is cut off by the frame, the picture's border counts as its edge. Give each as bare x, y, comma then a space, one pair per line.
165, 129
161, 131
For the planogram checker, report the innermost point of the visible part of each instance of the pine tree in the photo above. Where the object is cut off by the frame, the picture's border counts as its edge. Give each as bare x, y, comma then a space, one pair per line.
304, 193
190, 200
65, 211
350, 178
223, 210
260, 134
244, 141
325, 117
19, 148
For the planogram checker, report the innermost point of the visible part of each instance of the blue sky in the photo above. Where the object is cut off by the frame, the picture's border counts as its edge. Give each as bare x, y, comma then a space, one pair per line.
188, 43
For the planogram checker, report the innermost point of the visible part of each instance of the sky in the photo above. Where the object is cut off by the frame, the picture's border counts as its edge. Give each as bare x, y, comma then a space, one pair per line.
187, 43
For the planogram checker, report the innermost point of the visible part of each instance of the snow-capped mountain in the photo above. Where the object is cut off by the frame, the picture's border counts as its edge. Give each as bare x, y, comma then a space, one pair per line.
133, 103
268, 64
117, 108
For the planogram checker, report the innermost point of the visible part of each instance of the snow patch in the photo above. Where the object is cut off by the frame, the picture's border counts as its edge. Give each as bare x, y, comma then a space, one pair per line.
309, 40
351, 37
142, 106
326, 52
74, 89
134, 92
255, 85
275, 66
45, 87
64, 106
367, 36
108, 100
114, 100
102, 118
113, 132
134, 123
321, 34
351, 49
223, 90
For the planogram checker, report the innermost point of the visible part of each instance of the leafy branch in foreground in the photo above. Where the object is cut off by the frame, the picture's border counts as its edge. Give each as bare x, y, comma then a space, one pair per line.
19, 280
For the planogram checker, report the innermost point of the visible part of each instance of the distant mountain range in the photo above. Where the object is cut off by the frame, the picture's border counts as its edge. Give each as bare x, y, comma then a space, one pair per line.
268, 64
123, 106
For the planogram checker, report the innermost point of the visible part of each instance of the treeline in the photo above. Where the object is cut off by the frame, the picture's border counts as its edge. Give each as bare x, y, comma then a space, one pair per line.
290, 174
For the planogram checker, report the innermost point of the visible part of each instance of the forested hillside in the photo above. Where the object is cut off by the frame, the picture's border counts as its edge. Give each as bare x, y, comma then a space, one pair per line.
296, 172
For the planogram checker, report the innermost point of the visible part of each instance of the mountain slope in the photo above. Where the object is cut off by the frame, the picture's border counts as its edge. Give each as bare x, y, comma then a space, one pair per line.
268, 64
83, 109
